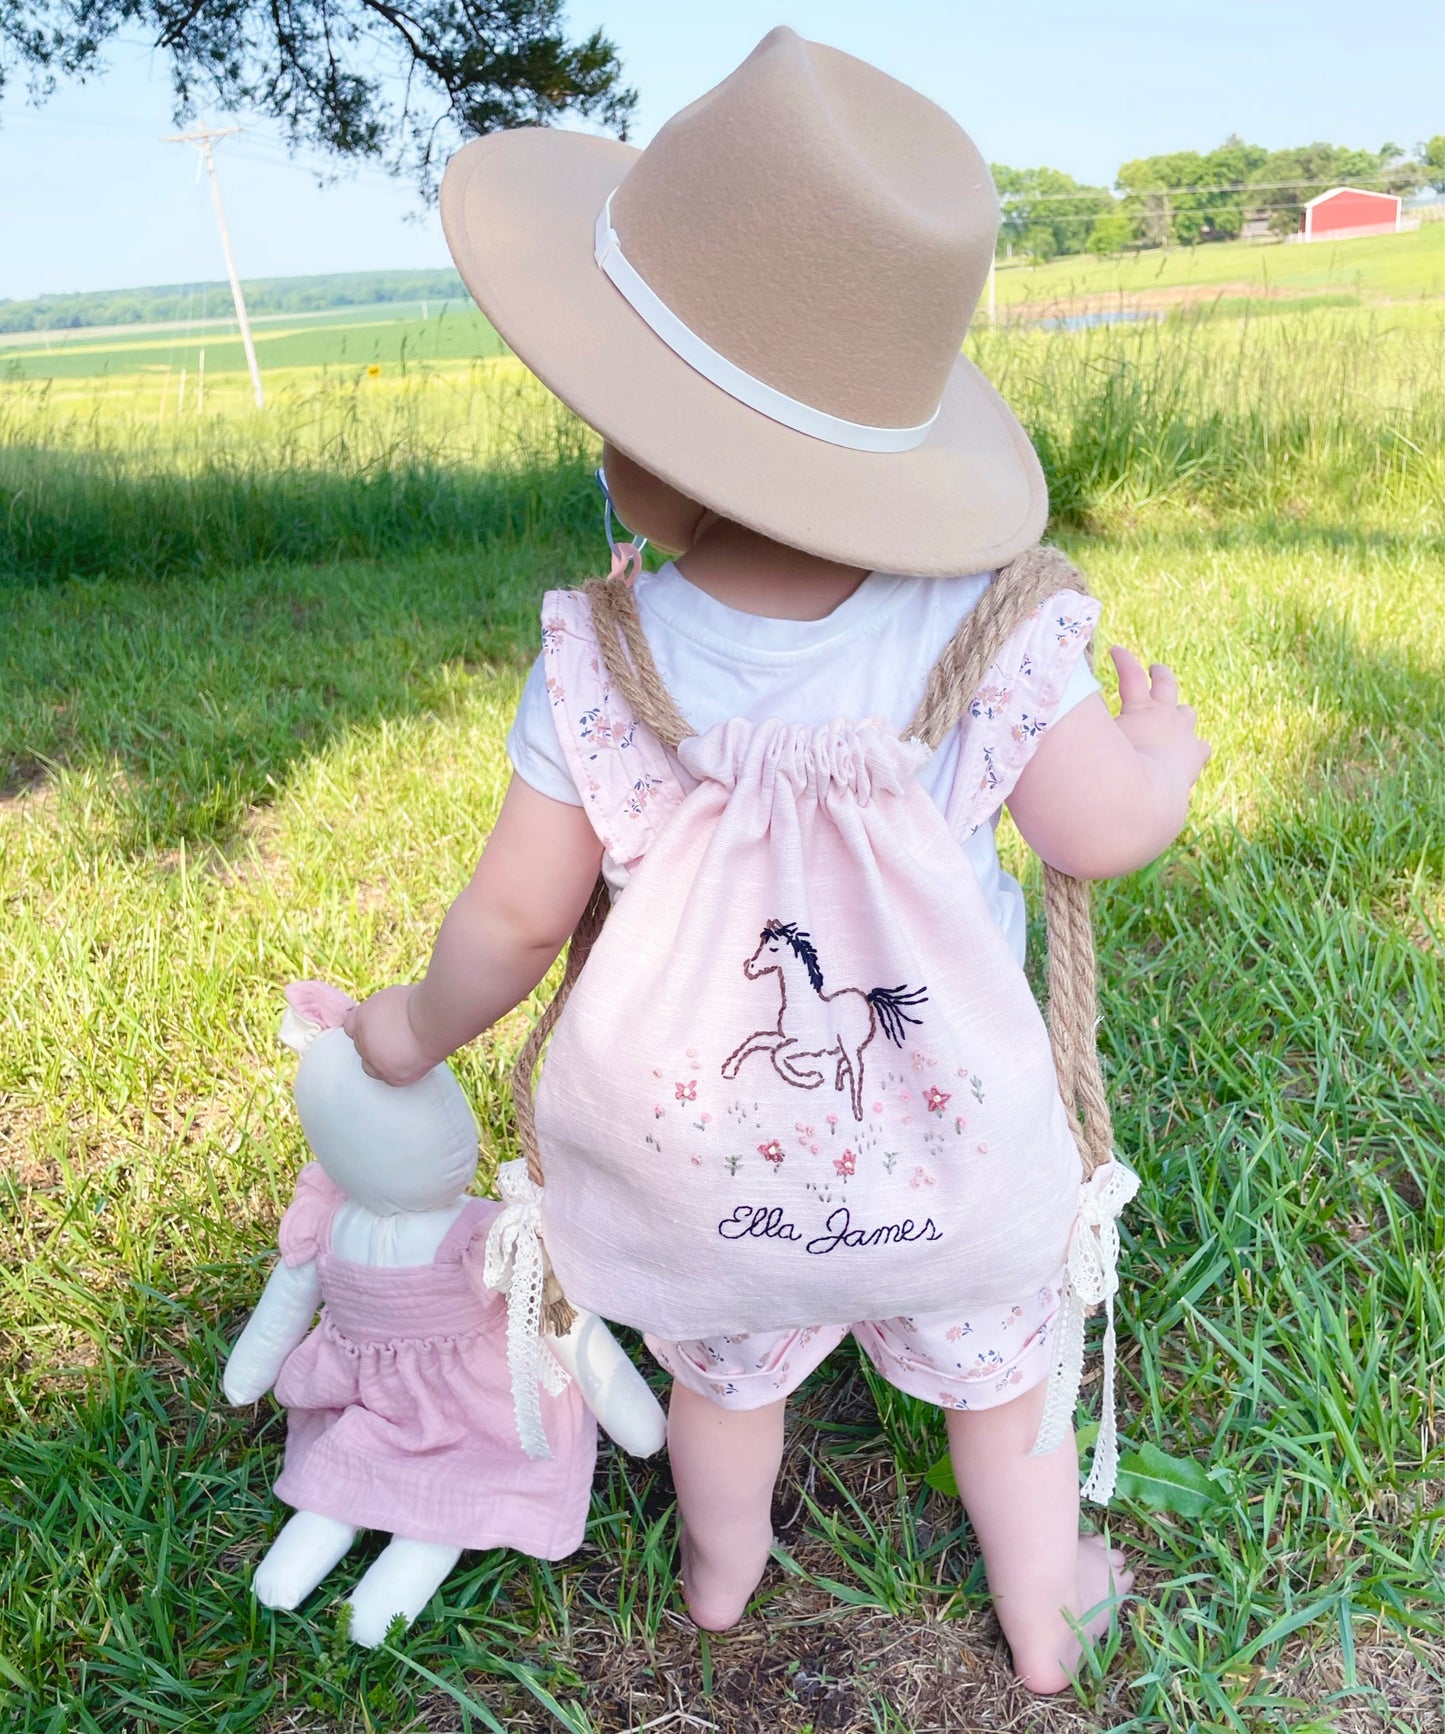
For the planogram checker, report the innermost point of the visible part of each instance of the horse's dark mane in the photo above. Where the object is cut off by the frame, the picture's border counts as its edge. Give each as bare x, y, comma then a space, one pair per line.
803, 948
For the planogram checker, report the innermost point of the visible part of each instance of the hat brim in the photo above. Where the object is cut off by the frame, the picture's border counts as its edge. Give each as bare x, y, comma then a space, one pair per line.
519, 211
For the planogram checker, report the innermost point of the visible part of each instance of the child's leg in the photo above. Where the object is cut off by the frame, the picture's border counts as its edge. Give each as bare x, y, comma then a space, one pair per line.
1025, 1513
724, 1464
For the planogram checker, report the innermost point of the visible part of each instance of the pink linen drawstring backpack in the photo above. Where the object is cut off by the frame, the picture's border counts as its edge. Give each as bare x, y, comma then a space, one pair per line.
797, 1075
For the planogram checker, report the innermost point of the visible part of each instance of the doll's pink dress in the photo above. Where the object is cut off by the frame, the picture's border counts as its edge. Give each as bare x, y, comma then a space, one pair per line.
401, 1405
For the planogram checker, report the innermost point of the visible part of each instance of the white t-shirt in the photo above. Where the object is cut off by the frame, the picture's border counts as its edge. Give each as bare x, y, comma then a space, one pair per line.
869, 658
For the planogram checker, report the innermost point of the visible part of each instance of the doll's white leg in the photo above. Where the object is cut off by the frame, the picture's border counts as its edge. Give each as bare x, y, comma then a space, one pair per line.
402, 1579
299, 1558
613, 1389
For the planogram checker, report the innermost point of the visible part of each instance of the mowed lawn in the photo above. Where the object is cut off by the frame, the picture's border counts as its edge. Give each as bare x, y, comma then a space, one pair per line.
253, 695
1404, 267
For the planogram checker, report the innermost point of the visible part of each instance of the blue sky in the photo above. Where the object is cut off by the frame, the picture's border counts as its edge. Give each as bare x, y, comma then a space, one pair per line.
91, 198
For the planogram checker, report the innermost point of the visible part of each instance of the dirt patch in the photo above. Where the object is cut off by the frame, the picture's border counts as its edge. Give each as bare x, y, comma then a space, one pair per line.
24, 789
1395, 1688
1158, 300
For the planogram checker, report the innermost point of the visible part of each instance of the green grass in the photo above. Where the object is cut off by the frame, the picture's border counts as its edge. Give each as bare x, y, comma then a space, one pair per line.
248, 757
1404, 267
352, 337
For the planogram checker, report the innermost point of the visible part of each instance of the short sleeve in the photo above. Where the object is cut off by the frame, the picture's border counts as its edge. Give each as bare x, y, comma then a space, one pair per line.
1082, 683
534, 746
308, 1216
1038, 674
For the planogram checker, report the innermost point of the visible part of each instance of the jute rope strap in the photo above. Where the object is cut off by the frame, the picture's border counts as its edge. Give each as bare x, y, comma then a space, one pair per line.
1073, 978
1014, 595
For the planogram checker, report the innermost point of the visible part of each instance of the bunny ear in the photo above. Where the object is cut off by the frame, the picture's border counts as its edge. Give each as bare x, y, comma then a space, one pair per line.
311, 1007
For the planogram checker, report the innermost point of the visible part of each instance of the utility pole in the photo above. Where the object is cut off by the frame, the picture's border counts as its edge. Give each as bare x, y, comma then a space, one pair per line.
202, 138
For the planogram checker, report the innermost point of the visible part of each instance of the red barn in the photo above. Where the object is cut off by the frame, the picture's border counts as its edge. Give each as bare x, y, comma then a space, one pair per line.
1344, 212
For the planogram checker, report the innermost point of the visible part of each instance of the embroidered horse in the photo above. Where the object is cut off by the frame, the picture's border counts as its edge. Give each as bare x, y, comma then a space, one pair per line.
854, 1016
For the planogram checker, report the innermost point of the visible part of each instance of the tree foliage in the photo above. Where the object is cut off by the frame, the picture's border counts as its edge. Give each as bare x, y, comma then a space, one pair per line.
1045, 212
1212, 210
192, 301
395, 80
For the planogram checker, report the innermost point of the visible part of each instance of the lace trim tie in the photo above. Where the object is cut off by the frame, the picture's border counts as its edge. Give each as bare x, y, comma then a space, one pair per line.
1091, 1279
513, 1265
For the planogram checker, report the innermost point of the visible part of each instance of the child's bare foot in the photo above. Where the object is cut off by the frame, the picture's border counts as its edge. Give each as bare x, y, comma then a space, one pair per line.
717, 1590
1046, 1649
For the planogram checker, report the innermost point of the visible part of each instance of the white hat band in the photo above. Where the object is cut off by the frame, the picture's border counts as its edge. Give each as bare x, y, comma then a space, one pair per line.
685, 343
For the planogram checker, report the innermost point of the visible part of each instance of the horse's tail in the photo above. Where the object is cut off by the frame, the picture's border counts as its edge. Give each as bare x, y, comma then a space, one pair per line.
891, 1005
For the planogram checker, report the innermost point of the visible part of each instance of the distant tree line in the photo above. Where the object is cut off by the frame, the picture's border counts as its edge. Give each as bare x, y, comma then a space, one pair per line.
1187, 197
177, 303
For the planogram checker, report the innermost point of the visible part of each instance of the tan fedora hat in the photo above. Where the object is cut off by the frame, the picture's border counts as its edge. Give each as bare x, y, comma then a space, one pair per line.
765, 307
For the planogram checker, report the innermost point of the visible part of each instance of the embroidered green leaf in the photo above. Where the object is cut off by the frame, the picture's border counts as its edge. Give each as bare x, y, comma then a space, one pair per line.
1153, 1479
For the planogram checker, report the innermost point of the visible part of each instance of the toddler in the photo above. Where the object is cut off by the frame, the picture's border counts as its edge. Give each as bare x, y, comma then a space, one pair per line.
762, 314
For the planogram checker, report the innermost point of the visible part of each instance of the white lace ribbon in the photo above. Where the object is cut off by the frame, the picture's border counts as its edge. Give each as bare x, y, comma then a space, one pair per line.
513, 1265
1091, 1278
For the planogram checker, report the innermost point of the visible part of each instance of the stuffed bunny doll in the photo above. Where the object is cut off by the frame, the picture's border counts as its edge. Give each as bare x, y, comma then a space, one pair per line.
422, 1403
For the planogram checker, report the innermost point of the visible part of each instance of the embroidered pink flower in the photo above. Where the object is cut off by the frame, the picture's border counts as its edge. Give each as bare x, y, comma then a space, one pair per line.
707, 1119
937, 1099
877, 1107
846, 1163
960, 1123
687, 1092
659, 1111
832, 1119
813, 1148
982, 1148
772, 1151
921, 1177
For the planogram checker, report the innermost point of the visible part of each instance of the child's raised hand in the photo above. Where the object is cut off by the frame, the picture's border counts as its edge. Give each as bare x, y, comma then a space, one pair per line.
388, 1045
1154, 721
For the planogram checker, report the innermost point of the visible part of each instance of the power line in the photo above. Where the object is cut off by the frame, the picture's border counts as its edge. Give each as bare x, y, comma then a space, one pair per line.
1175, 192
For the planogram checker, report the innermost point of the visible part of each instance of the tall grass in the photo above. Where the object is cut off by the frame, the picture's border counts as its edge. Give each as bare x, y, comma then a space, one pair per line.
1331, 415
339, 466
1326, 415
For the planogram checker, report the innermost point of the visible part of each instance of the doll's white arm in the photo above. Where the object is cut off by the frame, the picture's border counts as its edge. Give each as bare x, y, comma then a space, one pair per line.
613, 1389
282, 1318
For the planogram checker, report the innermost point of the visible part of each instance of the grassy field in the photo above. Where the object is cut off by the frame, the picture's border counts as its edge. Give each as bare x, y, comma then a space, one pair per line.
1404, 267
255, 673
1226, 277
346, 338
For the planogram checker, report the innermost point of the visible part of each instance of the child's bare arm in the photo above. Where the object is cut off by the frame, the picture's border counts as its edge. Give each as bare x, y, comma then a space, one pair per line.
498, 940
1104, 795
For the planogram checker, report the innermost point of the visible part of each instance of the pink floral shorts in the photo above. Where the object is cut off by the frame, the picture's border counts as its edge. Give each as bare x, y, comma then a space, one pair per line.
976, 1361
